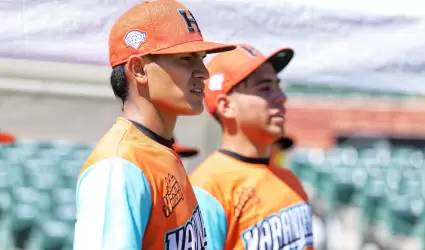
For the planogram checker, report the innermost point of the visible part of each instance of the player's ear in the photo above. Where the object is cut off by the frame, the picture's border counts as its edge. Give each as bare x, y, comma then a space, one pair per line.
225, 107
136, 69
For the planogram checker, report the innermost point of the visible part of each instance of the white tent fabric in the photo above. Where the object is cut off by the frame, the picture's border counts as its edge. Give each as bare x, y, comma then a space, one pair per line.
365, 44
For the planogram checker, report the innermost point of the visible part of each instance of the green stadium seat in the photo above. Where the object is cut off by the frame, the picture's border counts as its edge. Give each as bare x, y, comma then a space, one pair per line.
5, 196
25, 195
54, 234
54, 154
64, 196
15, 175
43, 165
324, 179
81, 154
31, 144
15, 155
343, 190
23, 222
65, 212
404, 214
70, 170
373, 201
298, 160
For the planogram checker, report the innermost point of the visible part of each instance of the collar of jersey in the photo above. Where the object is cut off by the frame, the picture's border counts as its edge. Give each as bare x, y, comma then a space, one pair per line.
153, 136
250, 160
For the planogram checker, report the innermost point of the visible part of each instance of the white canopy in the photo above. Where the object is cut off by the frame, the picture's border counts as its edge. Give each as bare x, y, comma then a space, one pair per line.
357, 43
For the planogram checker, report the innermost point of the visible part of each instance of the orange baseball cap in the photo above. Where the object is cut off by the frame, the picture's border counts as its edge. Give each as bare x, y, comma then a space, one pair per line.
184, 151
158, 27
230, 68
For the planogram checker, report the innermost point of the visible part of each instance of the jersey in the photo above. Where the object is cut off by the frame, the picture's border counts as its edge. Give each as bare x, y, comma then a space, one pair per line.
133, 193
250, 204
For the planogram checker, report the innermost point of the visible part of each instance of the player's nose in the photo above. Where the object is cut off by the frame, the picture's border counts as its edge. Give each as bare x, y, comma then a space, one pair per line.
201, 72
280, 97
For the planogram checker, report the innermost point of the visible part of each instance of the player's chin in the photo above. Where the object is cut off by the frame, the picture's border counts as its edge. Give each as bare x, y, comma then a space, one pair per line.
192, 108
276, 131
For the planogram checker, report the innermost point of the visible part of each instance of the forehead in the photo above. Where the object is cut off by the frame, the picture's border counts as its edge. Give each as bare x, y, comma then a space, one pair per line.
265, 71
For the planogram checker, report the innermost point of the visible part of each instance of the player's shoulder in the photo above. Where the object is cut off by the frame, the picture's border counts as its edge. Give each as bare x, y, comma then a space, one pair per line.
125, 141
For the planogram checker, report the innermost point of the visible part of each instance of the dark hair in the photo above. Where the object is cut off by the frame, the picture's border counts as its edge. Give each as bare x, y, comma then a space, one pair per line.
119, 83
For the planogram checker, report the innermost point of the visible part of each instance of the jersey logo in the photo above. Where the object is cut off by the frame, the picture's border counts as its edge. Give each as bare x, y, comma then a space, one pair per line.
250, 50
190, 236
290, 229
246, 198
190, 21
173, 195
135, 38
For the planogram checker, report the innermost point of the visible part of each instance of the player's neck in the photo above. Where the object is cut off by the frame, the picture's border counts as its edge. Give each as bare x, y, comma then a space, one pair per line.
241, 144
146, 114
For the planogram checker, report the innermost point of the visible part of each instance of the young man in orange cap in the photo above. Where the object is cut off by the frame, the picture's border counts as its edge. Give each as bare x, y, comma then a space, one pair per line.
133, 191
247, 201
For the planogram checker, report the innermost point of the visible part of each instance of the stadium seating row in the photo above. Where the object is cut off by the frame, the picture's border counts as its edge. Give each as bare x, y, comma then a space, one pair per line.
386, 187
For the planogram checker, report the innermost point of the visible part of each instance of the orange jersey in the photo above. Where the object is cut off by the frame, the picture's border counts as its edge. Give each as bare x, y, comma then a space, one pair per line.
133, 193
249, 204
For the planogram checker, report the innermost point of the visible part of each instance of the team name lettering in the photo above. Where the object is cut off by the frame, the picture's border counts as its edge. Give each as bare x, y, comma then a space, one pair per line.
190, 236
289, 230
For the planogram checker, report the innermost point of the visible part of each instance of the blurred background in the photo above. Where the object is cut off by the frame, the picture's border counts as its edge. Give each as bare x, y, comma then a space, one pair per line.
356, 111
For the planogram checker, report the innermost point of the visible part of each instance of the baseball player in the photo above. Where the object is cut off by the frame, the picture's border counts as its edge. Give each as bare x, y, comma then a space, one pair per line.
247, 201
133, 192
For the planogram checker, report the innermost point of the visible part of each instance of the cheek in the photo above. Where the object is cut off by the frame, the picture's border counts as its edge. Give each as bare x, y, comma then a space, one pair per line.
167, 81
178, 75
253, 110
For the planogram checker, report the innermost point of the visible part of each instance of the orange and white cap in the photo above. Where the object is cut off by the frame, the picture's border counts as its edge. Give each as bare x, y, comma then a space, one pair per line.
230, 68
157, 27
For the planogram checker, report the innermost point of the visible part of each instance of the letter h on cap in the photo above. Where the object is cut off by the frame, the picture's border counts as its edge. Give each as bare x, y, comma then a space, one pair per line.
189, 21
250, 50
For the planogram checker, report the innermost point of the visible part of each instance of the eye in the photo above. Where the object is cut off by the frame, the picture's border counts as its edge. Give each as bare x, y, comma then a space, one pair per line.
186, 58
265, 88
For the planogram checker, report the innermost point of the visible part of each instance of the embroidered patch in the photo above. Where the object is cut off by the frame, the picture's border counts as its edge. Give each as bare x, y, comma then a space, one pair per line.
135, 38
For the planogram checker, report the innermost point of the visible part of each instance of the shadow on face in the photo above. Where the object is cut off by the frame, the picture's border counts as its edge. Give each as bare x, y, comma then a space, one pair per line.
173, 83
258, 104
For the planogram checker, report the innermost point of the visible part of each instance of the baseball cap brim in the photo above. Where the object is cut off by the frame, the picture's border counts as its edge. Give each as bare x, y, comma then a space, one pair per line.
280, 58
195, 46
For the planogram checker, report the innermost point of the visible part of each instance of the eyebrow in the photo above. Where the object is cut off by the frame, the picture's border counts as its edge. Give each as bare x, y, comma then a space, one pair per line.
202, 56
268, 80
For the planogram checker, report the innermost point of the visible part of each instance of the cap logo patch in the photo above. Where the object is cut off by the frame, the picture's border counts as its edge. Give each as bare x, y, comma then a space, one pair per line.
216, 82
135, 38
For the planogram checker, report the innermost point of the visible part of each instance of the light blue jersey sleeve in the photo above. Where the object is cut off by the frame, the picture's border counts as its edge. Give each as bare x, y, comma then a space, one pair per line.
215, 220
113, 201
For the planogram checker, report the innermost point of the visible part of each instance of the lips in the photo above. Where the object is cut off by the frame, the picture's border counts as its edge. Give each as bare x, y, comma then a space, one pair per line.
197, 90
278, 117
